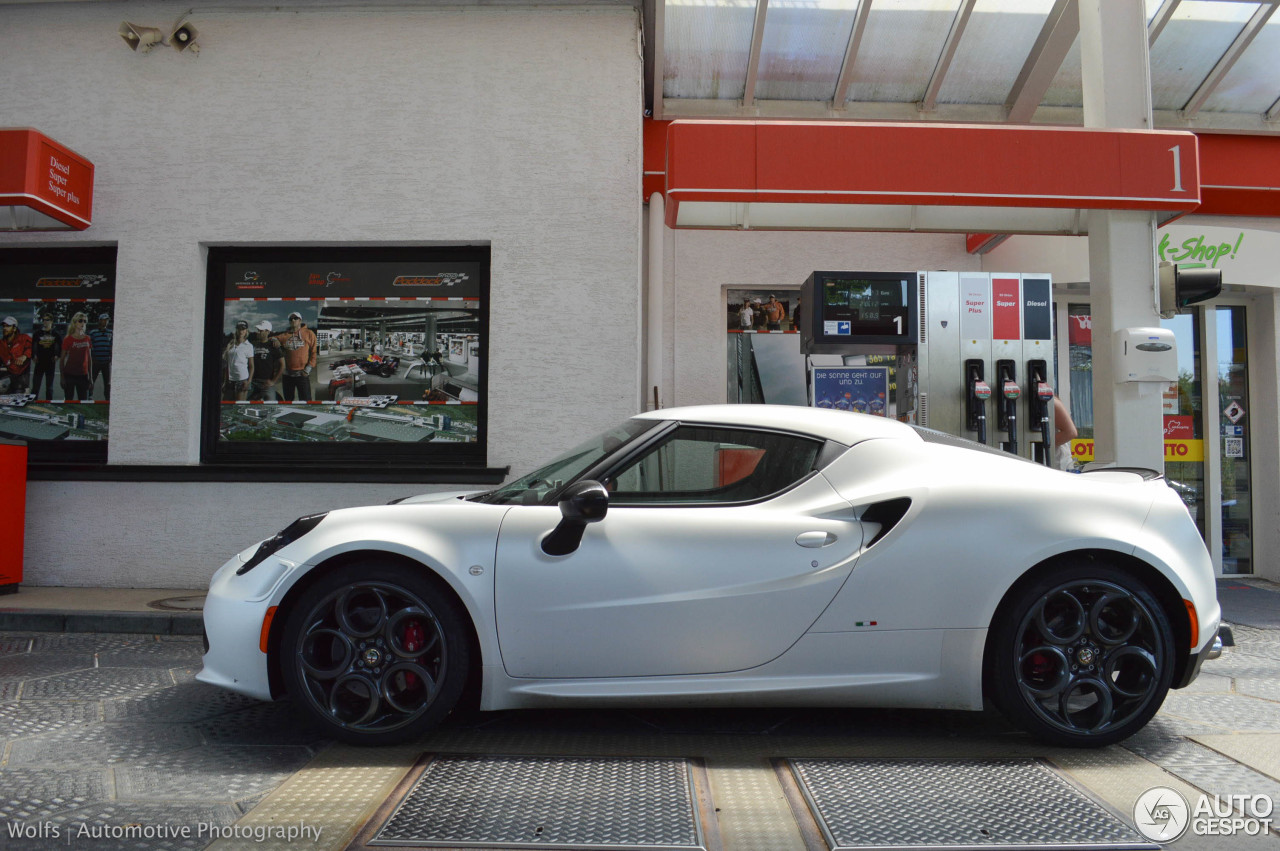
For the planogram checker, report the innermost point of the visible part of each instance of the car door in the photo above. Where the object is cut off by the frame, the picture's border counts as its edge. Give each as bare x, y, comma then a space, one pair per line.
719, 549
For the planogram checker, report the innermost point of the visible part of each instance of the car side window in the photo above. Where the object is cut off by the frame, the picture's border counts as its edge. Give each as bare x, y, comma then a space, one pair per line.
713, 466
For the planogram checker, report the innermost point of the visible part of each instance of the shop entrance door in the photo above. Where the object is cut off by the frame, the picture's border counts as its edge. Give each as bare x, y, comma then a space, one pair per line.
1232, 417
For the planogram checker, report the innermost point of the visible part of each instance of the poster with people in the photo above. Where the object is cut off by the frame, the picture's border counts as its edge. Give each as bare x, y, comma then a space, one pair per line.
363, 352
57, 321
764, 358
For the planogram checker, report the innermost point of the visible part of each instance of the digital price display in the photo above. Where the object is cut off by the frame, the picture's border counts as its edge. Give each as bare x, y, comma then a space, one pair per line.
850, 308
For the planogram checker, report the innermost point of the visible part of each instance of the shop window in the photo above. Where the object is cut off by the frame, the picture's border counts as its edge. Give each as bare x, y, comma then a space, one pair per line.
765, 361
346, 356
57, 314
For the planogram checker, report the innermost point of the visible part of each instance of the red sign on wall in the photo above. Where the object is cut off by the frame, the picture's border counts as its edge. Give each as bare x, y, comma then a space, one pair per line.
1006, 309
1179, 427
38, 173
1080, 329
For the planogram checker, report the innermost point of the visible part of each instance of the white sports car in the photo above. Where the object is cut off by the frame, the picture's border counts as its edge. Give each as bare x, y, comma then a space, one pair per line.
735, 555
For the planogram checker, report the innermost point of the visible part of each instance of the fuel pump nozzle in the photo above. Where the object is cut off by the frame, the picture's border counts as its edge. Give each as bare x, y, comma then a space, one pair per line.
1044, 402
1009, 391
979, 391
1041, 410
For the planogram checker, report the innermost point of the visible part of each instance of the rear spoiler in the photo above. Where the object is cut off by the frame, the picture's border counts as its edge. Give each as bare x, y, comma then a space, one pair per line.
1147, 473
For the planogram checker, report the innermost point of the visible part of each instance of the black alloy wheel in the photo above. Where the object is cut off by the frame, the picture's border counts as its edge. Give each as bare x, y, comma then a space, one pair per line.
1084, 658
376, 652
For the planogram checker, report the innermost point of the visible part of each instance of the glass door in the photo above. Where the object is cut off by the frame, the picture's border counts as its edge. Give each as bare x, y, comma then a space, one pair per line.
1233, 421
1184, 421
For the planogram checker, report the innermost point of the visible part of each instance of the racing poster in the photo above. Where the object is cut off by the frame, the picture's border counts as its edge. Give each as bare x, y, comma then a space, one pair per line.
57, 321
764, 359
332, 352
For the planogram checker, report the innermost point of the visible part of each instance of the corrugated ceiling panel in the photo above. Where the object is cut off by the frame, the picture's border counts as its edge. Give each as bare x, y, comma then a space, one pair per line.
1191, 45
996, 43
900, 49
1253, 85
706, 43
804, 47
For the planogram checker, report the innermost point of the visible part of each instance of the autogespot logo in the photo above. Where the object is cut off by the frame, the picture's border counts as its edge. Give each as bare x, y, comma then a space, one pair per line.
1161, 814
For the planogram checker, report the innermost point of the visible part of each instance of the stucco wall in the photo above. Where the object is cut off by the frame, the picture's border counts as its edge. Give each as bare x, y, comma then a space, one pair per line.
321, 123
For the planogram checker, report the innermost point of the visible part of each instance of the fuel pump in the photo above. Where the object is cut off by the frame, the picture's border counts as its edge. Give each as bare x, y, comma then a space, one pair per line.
1041, 411
964, 353
1007, 377
976, 396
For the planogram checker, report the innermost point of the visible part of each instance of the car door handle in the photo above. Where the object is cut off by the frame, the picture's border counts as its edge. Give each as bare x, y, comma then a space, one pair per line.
815, 539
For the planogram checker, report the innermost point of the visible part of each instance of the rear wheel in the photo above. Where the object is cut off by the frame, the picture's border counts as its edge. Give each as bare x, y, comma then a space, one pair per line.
1084, 657
376, 652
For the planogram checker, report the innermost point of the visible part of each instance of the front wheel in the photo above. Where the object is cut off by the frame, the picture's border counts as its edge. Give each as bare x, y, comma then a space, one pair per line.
1083, 658
376, 652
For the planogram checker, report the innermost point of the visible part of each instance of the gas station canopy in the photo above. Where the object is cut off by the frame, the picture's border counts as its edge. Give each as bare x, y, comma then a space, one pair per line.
938, 177
44, 186
950, 115
1213, 62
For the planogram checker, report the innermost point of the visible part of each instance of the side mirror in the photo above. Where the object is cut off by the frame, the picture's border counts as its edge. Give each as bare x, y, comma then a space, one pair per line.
582, 503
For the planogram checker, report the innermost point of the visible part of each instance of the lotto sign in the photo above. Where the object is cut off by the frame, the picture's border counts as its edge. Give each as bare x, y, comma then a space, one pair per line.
1174, 450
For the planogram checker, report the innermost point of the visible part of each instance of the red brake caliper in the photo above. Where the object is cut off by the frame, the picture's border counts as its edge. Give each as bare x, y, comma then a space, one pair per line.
414, 638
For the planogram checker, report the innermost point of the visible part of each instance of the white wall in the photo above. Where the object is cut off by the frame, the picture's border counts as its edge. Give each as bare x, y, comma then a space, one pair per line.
318, 123
700, 263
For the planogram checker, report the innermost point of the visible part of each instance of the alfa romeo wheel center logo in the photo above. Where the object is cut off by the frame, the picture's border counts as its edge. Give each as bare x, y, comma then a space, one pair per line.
1161, 814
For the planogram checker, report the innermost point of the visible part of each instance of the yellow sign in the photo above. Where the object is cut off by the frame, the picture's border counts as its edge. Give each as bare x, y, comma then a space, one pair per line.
1174, 450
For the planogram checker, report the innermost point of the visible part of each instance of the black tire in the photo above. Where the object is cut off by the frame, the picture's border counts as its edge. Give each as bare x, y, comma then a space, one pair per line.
1083, 657
377, 652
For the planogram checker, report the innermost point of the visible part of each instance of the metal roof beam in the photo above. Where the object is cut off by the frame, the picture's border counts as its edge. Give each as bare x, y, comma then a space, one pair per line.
654, 54
1274, 112
851, 55
930, 100
1229, 59
1158, 21
954, 113
1051, 47
753, 60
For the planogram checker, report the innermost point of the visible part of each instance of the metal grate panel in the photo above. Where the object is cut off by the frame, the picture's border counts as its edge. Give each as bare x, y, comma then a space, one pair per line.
953, 804
466, 801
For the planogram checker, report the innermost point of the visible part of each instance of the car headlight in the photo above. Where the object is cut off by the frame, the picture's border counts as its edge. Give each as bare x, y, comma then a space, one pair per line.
282, 539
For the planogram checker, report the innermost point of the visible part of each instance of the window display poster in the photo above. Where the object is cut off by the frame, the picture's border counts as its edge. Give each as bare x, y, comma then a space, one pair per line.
765, 364
57, 319
365, 352
862, 389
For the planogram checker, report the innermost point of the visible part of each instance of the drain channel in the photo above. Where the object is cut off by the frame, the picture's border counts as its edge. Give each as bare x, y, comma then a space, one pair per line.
481, 801
860, 804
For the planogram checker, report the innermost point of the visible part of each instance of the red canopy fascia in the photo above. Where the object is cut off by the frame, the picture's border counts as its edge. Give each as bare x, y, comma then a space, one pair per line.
930, 164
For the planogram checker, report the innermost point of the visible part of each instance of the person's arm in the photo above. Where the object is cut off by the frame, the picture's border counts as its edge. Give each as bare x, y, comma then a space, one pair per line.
22, 351
314, 348
1063, 426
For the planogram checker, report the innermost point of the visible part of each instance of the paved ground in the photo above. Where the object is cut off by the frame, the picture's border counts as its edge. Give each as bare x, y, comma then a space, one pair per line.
100, 732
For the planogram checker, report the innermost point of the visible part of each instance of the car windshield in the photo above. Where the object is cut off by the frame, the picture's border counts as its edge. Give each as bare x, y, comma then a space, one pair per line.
533, 488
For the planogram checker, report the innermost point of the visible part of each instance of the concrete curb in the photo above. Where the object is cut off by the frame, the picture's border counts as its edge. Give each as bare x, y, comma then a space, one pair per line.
49, 620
